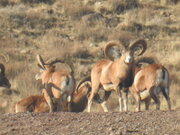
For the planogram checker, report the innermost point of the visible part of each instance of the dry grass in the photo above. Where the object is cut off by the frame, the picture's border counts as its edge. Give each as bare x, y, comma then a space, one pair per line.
76, 30
75, 9
15, 2
92, 34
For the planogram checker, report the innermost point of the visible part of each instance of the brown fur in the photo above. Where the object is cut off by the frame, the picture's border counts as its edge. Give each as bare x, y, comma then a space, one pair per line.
80, 98
149, 79
38, 103
58, 84
114, 75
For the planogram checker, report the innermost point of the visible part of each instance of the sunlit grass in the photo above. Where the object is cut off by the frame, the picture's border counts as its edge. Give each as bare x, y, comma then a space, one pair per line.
63, 29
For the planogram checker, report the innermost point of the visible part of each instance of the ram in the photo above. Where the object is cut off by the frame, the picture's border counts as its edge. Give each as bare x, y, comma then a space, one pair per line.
78, 101
57, 84
80, 97
4, 82
36, 103
149, 81
115, 75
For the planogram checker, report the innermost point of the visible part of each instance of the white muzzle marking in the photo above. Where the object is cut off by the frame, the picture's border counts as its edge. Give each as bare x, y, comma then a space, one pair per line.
128, 59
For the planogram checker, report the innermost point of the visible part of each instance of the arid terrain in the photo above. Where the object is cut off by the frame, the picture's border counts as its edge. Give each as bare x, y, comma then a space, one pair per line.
112, 123
76, 31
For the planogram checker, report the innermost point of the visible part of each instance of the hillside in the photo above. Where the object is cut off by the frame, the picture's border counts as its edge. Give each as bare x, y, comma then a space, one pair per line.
76, 30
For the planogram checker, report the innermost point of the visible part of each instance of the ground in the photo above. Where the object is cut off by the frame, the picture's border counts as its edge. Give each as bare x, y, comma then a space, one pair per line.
111, 123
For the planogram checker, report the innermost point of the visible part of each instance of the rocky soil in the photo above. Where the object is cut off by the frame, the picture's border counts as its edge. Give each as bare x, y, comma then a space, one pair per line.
112, 123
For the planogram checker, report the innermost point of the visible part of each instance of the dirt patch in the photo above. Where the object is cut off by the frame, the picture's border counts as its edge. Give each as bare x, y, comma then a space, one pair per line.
112, 123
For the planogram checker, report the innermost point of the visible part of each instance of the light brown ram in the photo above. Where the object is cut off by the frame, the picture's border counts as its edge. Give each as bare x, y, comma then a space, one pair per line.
115, 75
57, 84
149, 81
37, 103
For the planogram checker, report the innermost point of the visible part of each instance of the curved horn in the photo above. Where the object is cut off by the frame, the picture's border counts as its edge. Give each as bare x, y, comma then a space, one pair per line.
54, 60
148, 60
40, 61
135, 44
86, 79
6, 57
58, 60
111, 44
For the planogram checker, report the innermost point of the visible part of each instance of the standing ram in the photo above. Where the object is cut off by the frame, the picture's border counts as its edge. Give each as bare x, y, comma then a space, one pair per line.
115, 75
58, 85
149, 81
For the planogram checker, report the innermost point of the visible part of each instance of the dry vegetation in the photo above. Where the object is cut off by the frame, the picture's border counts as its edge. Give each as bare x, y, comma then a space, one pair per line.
76, 31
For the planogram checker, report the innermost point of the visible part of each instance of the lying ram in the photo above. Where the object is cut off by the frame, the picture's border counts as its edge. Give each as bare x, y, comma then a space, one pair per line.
78, 102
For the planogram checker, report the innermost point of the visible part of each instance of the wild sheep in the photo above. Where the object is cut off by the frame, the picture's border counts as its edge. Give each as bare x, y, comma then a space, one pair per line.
57, 84
115, 75
37, 103
4, 82
148, 82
